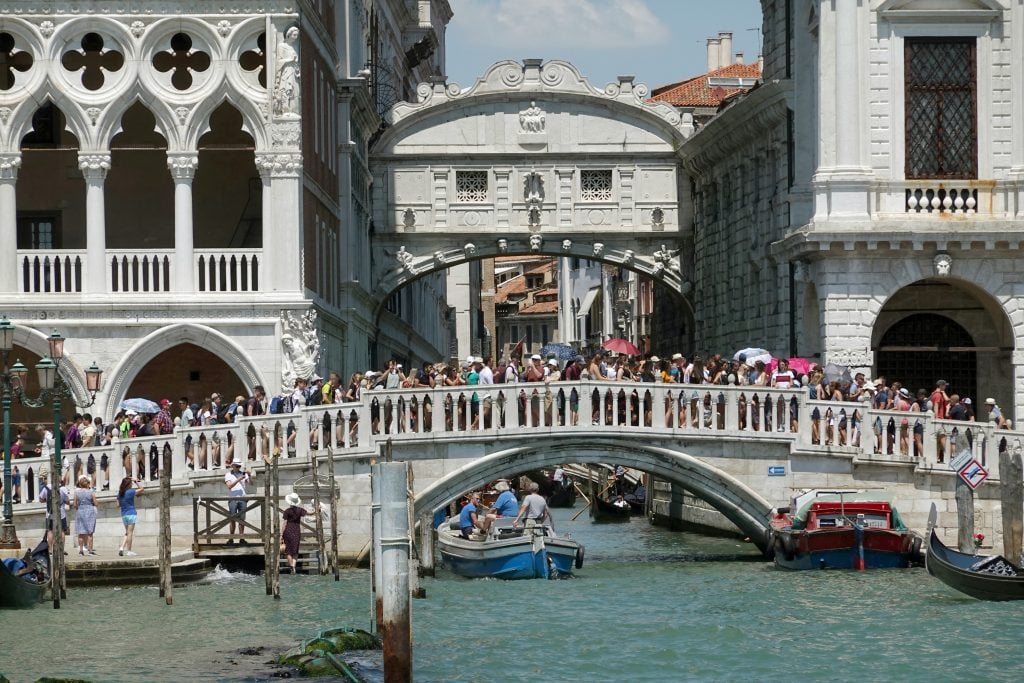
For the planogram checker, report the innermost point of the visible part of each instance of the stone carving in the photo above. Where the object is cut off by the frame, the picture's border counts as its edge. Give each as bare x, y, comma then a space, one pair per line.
533, 187
627, 256
943, 265
666, 258
224, 28
94, 166
46, 28
137, 28
286, 85
566, 245
535, 242
531, 120
93, 113
182, 114
440, 258
469, 249
182, 166
533, 217
285, 134
283, 165
301, 344
502, 245
657, 217
9, 165
5, 114
598, 248
409, 219
404, 259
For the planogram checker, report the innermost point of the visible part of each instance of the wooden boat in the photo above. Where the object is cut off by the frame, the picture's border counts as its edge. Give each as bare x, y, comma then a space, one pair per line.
562, 496
611, 511
22, 592
842, 530
985, 578
530, 552
637, 499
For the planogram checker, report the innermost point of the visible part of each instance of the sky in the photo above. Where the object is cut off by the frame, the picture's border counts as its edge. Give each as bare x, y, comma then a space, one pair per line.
658, 41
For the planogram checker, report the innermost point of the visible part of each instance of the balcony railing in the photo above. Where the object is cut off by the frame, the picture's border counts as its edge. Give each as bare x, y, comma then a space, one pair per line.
151, 271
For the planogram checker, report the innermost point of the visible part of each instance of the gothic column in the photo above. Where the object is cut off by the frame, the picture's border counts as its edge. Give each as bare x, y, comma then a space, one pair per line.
9, 164
94, 167
282, 222
183, 170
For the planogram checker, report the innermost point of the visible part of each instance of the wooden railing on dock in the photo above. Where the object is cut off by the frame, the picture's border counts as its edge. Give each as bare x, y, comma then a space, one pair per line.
212, 520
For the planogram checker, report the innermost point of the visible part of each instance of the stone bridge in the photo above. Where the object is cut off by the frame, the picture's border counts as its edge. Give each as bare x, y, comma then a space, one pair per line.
743, 450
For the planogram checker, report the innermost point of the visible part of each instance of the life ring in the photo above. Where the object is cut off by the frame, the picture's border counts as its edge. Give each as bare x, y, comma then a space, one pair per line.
579, 557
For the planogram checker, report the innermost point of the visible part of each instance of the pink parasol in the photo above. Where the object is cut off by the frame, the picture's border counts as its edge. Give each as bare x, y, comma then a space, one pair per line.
621, 346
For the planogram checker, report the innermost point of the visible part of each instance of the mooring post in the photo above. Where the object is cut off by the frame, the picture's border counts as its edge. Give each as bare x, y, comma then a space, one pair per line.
57, 552
964, 504
394, 559
275, 522
375, 566
426, 545
267, 531
167, 587
321, 548
1011, 500
334, 518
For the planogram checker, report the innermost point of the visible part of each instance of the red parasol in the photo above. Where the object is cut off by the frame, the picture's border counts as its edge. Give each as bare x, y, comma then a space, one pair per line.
621, 346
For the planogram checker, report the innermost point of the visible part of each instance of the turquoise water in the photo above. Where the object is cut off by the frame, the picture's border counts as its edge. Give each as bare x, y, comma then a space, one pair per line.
649, 605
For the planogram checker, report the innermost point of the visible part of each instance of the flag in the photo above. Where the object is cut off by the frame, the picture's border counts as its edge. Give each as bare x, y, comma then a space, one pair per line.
517, 350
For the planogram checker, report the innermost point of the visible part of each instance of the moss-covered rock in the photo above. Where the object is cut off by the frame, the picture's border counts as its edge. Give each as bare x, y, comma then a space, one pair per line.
345, 639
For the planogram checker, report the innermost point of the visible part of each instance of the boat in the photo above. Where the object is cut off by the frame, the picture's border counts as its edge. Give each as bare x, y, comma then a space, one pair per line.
23, 592
562, 495
986, 578
611, 510
637, 499
842, 530
532, 551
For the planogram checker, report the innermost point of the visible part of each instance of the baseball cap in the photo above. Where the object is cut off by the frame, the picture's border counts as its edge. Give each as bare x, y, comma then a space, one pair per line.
552, 361
677, 356
655, 359
165, 402
967, 401
535, 357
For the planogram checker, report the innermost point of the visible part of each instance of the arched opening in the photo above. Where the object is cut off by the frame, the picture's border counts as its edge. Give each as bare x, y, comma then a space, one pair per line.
139, 191
185, 370
227, 190
945, 329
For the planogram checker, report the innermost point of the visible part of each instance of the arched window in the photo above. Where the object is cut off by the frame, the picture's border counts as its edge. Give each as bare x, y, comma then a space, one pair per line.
925, 347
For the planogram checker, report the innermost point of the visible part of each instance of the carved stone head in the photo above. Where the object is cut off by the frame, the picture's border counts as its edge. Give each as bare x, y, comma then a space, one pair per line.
943, 265
503, 245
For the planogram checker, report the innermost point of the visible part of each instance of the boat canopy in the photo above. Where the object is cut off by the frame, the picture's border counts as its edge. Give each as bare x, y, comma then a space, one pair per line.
853, 497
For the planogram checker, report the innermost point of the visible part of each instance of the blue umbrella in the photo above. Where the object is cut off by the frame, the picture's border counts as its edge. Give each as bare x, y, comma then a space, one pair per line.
561, 352
140, 405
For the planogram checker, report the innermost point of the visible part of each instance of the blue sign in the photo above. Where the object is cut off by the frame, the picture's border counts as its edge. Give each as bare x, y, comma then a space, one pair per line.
776, 470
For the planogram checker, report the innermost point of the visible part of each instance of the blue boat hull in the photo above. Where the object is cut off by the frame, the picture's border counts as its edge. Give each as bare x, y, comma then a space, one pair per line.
520, 558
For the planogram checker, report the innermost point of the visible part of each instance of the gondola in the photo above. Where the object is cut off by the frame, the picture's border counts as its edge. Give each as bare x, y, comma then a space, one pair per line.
974, 575
562, 496
23, 592
609, 511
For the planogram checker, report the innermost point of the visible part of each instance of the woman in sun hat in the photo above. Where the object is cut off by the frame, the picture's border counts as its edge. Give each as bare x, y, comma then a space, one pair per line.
292, 534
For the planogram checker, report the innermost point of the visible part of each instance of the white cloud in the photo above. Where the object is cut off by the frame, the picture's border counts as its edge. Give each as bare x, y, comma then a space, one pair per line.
543, 26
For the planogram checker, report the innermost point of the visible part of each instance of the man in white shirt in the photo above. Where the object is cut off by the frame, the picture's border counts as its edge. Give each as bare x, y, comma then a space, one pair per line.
235, 480
783, 377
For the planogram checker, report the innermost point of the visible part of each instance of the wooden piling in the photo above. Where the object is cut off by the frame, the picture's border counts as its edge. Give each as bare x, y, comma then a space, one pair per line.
267, 531
393, 553
334, 518
964, 516
166, 582
426, 545
320, 546
275, 542
57, 573
1011, 501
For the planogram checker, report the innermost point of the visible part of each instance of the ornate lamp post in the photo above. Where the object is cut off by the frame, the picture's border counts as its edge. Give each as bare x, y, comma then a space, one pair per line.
14, 383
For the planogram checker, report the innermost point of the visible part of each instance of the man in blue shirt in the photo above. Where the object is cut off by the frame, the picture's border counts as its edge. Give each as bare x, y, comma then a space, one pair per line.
468, 519
506, 505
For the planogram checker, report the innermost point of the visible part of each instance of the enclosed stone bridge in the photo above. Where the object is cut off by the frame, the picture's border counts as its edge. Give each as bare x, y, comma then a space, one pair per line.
743, 450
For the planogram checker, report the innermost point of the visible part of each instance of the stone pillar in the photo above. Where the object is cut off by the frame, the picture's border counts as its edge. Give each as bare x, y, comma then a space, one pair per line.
847, 84
282, 222
94, 167
183, 169
566, 317
9, 164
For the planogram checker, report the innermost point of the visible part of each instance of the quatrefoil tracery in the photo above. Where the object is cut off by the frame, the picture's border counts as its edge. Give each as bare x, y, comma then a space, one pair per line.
92, 60
11, 61
251, 60
182, 60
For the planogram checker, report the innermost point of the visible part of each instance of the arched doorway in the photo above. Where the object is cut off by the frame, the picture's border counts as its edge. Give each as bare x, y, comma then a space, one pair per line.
186, 370
945, 329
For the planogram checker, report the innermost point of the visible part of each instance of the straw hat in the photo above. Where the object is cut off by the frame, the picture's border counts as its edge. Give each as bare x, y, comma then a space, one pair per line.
293, 499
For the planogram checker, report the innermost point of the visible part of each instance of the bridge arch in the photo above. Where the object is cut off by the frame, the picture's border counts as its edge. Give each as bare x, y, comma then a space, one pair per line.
740, 504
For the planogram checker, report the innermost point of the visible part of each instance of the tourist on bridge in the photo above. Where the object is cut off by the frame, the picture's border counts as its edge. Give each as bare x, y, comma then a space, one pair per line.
534, 508
291, 535
235, 481
129, 515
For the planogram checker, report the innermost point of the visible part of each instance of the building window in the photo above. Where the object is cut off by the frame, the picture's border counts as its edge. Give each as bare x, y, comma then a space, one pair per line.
596, 186
941, 108
38, 231
544, 334
471, 186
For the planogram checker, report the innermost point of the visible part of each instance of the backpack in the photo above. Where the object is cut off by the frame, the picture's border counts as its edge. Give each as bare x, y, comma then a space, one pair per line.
277, 405
314, 396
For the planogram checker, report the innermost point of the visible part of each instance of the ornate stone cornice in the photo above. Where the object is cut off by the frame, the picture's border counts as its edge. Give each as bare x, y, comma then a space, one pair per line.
183, 165
9, 165
279, 165
75, 8
94, 166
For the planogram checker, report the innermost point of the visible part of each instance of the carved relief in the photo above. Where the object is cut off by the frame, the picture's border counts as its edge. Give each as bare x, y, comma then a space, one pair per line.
182, 114
598, 248
440, 258
566, 245
46, 28
943, 265
533, 217
627, 256
535, 242
137, 28
9, 165
409, 219
404, 259
279, 165
224, 28
93, 113
94, 166
285, 134
666, 258
658, 217
286, 82
533, 187
300, 342
502, 245
531, 120
5, 114
469, 249
182, 166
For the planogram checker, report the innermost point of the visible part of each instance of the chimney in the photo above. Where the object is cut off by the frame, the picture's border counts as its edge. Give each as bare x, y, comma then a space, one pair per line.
739, 58
714, 50
724, 48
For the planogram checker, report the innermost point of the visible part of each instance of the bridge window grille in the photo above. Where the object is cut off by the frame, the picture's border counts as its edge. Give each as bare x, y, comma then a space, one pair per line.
471, 186
596, 186
940, 108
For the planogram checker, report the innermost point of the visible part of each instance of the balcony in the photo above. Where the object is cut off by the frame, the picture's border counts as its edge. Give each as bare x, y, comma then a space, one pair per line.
938, 199
65, 271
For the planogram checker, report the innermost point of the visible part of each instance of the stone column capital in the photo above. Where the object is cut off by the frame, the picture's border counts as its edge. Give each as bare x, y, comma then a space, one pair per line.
182, 165
94, 165
279, 165
9, 165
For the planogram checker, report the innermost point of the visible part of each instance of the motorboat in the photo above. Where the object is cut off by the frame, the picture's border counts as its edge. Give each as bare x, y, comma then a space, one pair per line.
991, 577
532, 551
842, 530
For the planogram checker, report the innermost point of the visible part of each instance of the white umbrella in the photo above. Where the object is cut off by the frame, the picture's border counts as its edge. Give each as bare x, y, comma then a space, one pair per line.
752, 355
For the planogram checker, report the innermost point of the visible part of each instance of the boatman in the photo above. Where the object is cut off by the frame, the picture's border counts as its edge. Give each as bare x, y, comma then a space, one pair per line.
535, 507
468, 517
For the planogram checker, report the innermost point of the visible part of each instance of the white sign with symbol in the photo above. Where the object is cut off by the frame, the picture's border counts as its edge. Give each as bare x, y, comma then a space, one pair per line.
974, 474
961, 459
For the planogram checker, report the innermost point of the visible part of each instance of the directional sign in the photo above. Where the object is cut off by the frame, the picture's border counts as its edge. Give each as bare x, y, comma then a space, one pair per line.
974, 474
961, 459
776, 470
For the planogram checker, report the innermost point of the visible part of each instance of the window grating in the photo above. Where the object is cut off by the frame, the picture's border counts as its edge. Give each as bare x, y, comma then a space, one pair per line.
471, 186
596, 186
941, 108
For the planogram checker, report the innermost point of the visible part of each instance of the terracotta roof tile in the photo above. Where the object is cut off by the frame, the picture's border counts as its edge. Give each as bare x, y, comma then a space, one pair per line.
696, 92
511, 287
541, 307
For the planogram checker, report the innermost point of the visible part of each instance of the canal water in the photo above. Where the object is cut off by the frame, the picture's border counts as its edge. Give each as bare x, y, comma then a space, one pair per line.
648, 605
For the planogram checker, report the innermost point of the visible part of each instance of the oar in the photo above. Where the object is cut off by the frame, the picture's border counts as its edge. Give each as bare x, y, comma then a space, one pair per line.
582, 510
